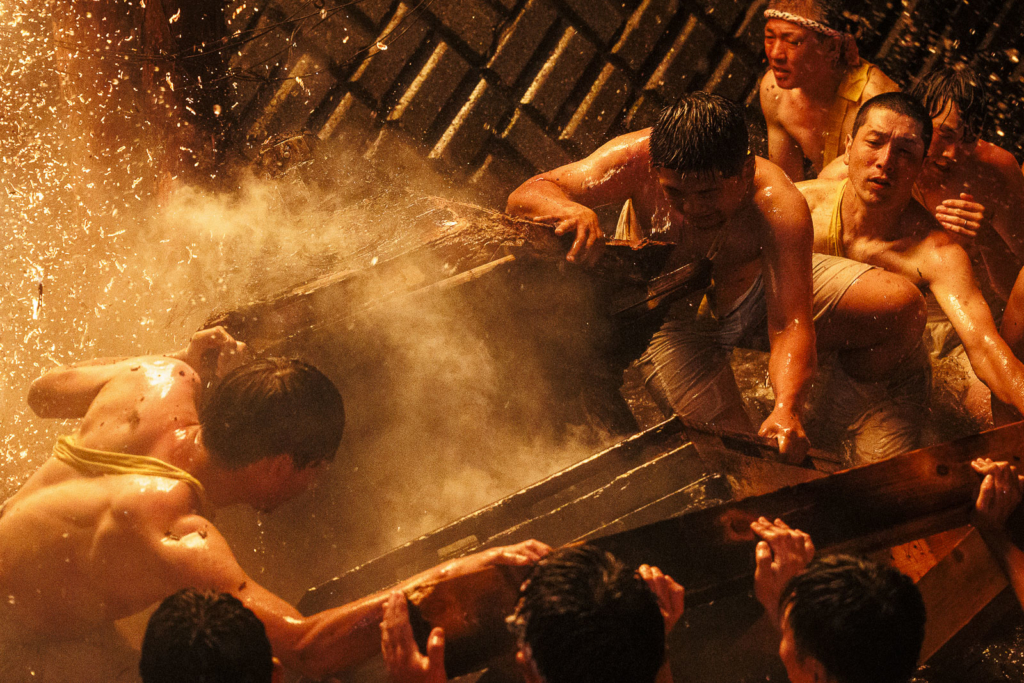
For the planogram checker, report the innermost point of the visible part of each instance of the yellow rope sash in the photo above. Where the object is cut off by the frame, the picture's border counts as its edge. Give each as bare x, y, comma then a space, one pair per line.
94, 463
850, 91
834, 241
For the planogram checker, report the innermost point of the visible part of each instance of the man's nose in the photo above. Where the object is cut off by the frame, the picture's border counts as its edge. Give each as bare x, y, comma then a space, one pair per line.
775, 51
886, 158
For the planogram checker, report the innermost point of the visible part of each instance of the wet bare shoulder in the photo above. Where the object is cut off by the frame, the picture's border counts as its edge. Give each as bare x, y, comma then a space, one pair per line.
139, 407
921, 224
141, 504
610, 173
818, 192
778, 198
770, 94
996, 165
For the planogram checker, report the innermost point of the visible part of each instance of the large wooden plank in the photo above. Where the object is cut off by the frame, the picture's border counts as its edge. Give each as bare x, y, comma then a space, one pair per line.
957, 588
711, 551
861, 509
480, 529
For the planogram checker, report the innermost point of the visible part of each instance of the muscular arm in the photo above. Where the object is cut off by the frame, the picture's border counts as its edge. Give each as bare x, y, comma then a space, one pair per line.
783, 150
947, 268
68, 391
318, 645
564, 197
786, 258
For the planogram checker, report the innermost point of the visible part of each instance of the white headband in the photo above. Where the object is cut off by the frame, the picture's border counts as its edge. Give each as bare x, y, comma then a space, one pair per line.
803, 21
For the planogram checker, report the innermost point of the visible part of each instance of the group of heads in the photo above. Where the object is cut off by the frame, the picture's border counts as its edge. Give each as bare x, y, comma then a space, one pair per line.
584, 617
700, 152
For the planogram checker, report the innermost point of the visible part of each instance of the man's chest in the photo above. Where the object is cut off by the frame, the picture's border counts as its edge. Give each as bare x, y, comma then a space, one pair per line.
815, 126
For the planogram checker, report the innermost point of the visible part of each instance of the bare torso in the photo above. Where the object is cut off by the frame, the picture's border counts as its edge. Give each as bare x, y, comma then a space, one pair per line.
737, 258
89, 539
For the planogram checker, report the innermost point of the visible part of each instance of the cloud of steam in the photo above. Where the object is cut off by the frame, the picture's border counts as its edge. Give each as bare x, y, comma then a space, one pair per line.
435, 432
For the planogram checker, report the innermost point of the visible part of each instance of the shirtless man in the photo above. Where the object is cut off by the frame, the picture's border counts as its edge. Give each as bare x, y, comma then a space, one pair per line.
96, 535
974, 189
692, 180
871, 217
815, 83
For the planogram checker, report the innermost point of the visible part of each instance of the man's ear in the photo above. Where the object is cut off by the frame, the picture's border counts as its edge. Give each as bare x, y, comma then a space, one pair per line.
527, 668
277, 673
846, 152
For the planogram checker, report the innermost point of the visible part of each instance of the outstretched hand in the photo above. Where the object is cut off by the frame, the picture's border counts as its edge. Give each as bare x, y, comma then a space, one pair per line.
963, 217
669, 593
1000, 494
402, 657
783, 554
213, 353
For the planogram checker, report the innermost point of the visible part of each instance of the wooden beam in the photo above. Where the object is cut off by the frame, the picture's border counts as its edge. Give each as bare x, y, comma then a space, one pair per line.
858, 510
956, 589
711, 551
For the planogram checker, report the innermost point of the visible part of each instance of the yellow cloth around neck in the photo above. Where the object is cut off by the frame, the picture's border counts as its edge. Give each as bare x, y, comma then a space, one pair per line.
847, 97
94, 463
834, 241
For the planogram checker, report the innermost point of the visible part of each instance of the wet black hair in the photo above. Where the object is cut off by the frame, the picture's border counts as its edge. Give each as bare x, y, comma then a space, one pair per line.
587, 618
862, 620
827, 12
954, 84
269, 407
902, 104
205, 637
701, 133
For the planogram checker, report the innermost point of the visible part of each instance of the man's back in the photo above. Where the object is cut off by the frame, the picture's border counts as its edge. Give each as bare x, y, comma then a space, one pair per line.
89, 540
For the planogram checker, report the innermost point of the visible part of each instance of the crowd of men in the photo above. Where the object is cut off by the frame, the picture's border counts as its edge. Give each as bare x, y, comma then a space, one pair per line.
882, 260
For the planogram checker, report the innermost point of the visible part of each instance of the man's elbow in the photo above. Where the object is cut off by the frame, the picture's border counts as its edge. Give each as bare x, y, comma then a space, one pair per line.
40, 398
520, 199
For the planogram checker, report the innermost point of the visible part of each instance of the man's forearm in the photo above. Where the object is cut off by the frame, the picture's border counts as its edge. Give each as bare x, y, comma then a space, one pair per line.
791, 366
343, 637
1000, 370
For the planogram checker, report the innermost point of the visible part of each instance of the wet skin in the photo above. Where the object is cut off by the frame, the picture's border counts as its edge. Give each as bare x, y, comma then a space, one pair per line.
77, 552
884, 227
975, 190
798, 91
766, 228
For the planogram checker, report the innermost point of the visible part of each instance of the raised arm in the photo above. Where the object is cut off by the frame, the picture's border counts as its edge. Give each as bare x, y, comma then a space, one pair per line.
786, 257
783, 149
565, 197
195, 554
947, 268
68, 391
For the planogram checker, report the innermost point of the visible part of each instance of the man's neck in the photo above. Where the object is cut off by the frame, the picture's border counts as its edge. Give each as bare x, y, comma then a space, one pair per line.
864, 220
221, 485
